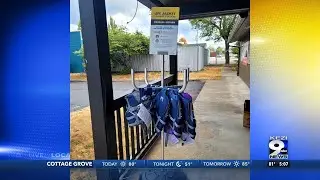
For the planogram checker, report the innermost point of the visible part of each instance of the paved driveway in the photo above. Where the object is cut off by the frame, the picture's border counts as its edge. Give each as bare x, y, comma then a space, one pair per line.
79, 97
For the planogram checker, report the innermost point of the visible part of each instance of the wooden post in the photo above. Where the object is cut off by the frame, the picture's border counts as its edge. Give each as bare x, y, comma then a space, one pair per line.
174, 68
96, 46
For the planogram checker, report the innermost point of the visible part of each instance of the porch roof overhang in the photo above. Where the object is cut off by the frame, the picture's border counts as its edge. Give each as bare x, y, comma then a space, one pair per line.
190, 9
241, 29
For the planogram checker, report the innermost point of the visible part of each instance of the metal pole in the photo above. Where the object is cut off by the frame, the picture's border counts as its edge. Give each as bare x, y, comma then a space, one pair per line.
239, 58
162, 72
197, 51
162, 85
216, 58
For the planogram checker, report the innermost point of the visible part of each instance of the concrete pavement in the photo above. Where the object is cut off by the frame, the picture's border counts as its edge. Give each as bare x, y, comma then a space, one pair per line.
79, 97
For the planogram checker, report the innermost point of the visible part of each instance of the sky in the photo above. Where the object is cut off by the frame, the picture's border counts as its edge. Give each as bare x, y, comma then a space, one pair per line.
123, 11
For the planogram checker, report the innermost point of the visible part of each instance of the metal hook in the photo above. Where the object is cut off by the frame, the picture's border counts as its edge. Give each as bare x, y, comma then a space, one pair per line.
188, 74
146, 76
133, 81
185, 81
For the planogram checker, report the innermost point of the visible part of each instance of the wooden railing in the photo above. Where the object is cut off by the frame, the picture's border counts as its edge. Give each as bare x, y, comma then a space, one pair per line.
133, 142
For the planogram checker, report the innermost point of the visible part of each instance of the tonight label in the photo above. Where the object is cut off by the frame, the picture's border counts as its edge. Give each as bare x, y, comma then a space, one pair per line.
162, 164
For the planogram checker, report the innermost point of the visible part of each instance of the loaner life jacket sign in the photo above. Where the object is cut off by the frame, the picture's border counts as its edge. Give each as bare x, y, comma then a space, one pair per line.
164, 30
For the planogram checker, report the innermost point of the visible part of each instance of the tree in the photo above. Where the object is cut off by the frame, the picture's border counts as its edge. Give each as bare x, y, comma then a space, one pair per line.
122, 45
235, 50
112, 24
219, 50
216, 28
183, 40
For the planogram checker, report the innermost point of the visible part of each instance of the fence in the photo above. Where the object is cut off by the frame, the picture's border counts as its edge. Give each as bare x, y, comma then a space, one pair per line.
194, 57
152, 62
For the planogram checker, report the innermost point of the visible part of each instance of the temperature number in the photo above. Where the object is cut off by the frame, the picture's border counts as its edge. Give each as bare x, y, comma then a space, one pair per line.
187, 164
245, 164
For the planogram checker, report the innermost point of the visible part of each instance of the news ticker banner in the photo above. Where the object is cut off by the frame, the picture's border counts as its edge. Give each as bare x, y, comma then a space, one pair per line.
152, 164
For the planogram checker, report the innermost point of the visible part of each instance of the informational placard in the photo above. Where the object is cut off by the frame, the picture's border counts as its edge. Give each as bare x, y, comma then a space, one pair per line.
164, 30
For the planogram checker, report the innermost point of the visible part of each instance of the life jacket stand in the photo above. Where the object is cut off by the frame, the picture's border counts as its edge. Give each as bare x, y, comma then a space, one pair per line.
163, 174
185, 83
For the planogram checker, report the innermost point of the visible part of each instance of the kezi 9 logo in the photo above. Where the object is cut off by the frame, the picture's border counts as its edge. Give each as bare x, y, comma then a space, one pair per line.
278, 147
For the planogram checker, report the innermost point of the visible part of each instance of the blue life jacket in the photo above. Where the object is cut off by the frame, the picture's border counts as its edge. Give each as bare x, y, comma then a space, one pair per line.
170, 110
188, 115
162, 105
148, 95
133, 101
144, 96
174, 115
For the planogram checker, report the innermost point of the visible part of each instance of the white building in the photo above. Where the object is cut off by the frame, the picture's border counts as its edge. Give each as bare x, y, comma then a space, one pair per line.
241, 33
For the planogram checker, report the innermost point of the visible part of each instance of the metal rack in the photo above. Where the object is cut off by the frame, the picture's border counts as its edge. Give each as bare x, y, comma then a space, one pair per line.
185, 83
